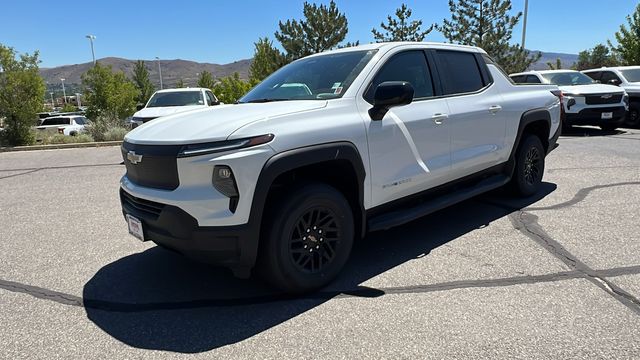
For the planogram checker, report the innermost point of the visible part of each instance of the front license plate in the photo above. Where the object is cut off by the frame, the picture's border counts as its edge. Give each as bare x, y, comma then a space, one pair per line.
607, 115
135, 227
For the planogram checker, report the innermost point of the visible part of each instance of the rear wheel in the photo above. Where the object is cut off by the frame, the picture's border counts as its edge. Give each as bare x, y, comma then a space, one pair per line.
529, 166
307, 240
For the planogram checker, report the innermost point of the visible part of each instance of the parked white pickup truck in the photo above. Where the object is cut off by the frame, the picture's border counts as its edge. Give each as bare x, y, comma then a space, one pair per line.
585, 101
387, 133
626, 77
172, 101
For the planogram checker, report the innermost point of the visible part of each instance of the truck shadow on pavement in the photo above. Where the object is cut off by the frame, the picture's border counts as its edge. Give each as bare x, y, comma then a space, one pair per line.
586, 131
158, 300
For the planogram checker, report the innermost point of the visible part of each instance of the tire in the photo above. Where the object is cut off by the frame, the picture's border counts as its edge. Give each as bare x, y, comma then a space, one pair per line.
633, 117
529, 166
608, 127
315, 218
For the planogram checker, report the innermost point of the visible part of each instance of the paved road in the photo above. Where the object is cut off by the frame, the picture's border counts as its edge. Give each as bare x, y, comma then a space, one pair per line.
557, 276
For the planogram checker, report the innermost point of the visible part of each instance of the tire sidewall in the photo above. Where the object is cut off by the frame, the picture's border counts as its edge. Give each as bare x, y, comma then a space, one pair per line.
287, 275
522, 187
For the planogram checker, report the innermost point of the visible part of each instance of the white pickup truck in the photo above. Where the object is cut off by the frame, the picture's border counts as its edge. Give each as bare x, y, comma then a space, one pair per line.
387, 133
172, 101
585, 102
627, 78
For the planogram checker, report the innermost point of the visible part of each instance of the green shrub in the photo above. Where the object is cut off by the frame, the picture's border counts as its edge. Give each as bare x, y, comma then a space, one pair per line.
115, 134
63, 139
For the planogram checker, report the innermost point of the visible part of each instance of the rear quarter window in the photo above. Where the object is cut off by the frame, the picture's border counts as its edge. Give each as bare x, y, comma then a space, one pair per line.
459, 71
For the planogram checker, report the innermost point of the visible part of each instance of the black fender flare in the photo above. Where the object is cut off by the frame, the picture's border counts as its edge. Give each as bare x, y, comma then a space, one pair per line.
291, 160
527, 118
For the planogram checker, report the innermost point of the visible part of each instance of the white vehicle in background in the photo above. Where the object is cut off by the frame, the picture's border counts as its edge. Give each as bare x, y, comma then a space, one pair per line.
585, 101
172, 101
626, 77
67, 125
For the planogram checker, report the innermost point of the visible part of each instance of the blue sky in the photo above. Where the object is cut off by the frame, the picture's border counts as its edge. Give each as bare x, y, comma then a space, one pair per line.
224, 31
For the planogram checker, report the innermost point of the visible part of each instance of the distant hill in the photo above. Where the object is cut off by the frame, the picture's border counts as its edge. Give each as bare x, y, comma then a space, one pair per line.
567, 60
188, 71
172, 71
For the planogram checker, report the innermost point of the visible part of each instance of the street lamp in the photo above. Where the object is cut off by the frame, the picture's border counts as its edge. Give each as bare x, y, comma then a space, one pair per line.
524, 23
159, 71
53, 105
64, 93
91, 38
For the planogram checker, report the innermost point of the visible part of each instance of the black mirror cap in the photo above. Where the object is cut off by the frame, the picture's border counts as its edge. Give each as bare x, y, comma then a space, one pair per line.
139, 107
614, 82
390, 94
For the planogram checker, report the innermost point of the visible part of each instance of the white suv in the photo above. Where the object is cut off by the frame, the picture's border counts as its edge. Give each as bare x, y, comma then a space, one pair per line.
385, 134
172, 101
626, 77
585, 101
69, 125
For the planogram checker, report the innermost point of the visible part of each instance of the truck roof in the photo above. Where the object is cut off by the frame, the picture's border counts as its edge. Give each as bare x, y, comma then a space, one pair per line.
181, 89
389, 45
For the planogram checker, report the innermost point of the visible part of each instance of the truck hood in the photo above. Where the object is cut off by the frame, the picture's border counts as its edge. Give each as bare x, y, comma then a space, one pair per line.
633, 88
155, 112
591, 89
214, 123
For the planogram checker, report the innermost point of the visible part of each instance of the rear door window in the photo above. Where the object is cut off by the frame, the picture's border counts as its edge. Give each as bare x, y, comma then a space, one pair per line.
459, 71
410, 66
594, 75
608, 76
532, 79
519, 79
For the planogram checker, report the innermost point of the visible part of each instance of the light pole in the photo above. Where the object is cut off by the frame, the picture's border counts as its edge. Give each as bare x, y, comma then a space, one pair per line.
53, 105
91, 38
159, 71
524, 23
64, 93
78, 100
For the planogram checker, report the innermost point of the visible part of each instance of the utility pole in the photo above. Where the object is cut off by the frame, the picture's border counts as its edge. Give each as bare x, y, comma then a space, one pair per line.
53, 105
93, 55
524, 23
64, 93
159, 71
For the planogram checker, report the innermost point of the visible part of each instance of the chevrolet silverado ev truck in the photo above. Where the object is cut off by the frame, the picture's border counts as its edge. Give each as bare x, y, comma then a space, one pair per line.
286, 179
585, 102
626, 77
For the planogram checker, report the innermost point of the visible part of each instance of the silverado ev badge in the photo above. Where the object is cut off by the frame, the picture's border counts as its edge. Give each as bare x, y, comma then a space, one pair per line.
133, 157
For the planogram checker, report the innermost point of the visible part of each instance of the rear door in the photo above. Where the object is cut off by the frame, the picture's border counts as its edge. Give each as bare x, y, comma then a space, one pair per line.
476, 120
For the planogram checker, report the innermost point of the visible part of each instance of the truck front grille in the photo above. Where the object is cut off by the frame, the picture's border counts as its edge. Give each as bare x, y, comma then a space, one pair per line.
601, 99
153, 166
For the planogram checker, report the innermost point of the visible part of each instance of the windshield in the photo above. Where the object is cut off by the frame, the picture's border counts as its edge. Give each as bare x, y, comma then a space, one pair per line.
176, 98
568, 78
632, 75
319, 77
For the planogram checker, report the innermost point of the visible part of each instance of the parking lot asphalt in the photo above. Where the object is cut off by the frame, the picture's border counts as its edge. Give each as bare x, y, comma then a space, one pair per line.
554, 276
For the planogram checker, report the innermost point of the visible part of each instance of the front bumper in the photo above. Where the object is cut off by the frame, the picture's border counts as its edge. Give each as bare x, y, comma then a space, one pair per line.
174, 229
593, 116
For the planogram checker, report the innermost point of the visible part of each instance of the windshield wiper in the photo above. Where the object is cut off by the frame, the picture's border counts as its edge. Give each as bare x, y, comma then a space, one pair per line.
263, 100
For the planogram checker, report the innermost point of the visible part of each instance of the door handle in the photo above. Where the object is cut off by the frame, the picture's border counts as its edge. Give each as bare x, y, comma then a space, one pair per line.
495, 108
439, 118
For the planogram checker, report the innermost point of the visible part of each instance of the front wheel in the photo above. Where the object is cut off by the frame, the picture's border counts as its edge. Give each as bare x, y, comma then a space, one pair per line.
307, 240
633, 116
529, 166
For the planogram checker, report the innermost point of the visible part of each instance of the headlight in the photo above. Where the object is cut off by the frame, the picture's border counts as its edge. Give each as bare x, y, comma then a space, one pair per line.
572, 95
220, 146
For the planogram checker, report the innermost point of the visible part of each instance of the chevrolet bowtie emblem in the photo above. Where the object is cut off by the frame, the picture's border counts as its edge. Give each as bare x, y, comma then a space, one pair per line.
133, 157
606, 96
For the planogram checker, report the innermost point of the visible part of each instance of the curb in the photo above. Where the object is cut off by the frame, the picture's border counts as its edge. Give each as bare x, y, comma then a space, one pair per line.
61, 146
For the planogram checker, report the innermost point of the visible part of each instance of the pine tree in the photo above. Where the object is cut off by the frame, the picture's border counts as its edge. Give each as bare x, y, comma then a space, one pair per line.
628, 48
142, 82
487, 24
597, 57
400, 28
180, 84
323, 28
266, 60
556, 66
206, 80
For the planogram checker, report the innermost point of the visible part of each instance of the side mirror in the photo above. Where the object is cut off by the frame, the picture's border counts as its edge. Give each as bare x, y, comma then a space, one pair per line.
614, 82
390, 94
139, 107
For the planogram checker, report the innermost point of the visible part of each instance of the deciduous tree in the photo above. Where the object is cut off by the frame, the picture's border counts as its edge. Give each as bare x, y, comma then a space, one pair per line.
206, 80
231, 88
21, 95
142, 82
628, 38
110, 94
597, 57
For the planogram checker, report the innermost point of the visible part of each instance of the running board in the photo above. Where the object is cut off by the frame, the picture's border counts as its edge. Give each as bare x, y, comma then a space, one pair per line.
403, 216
